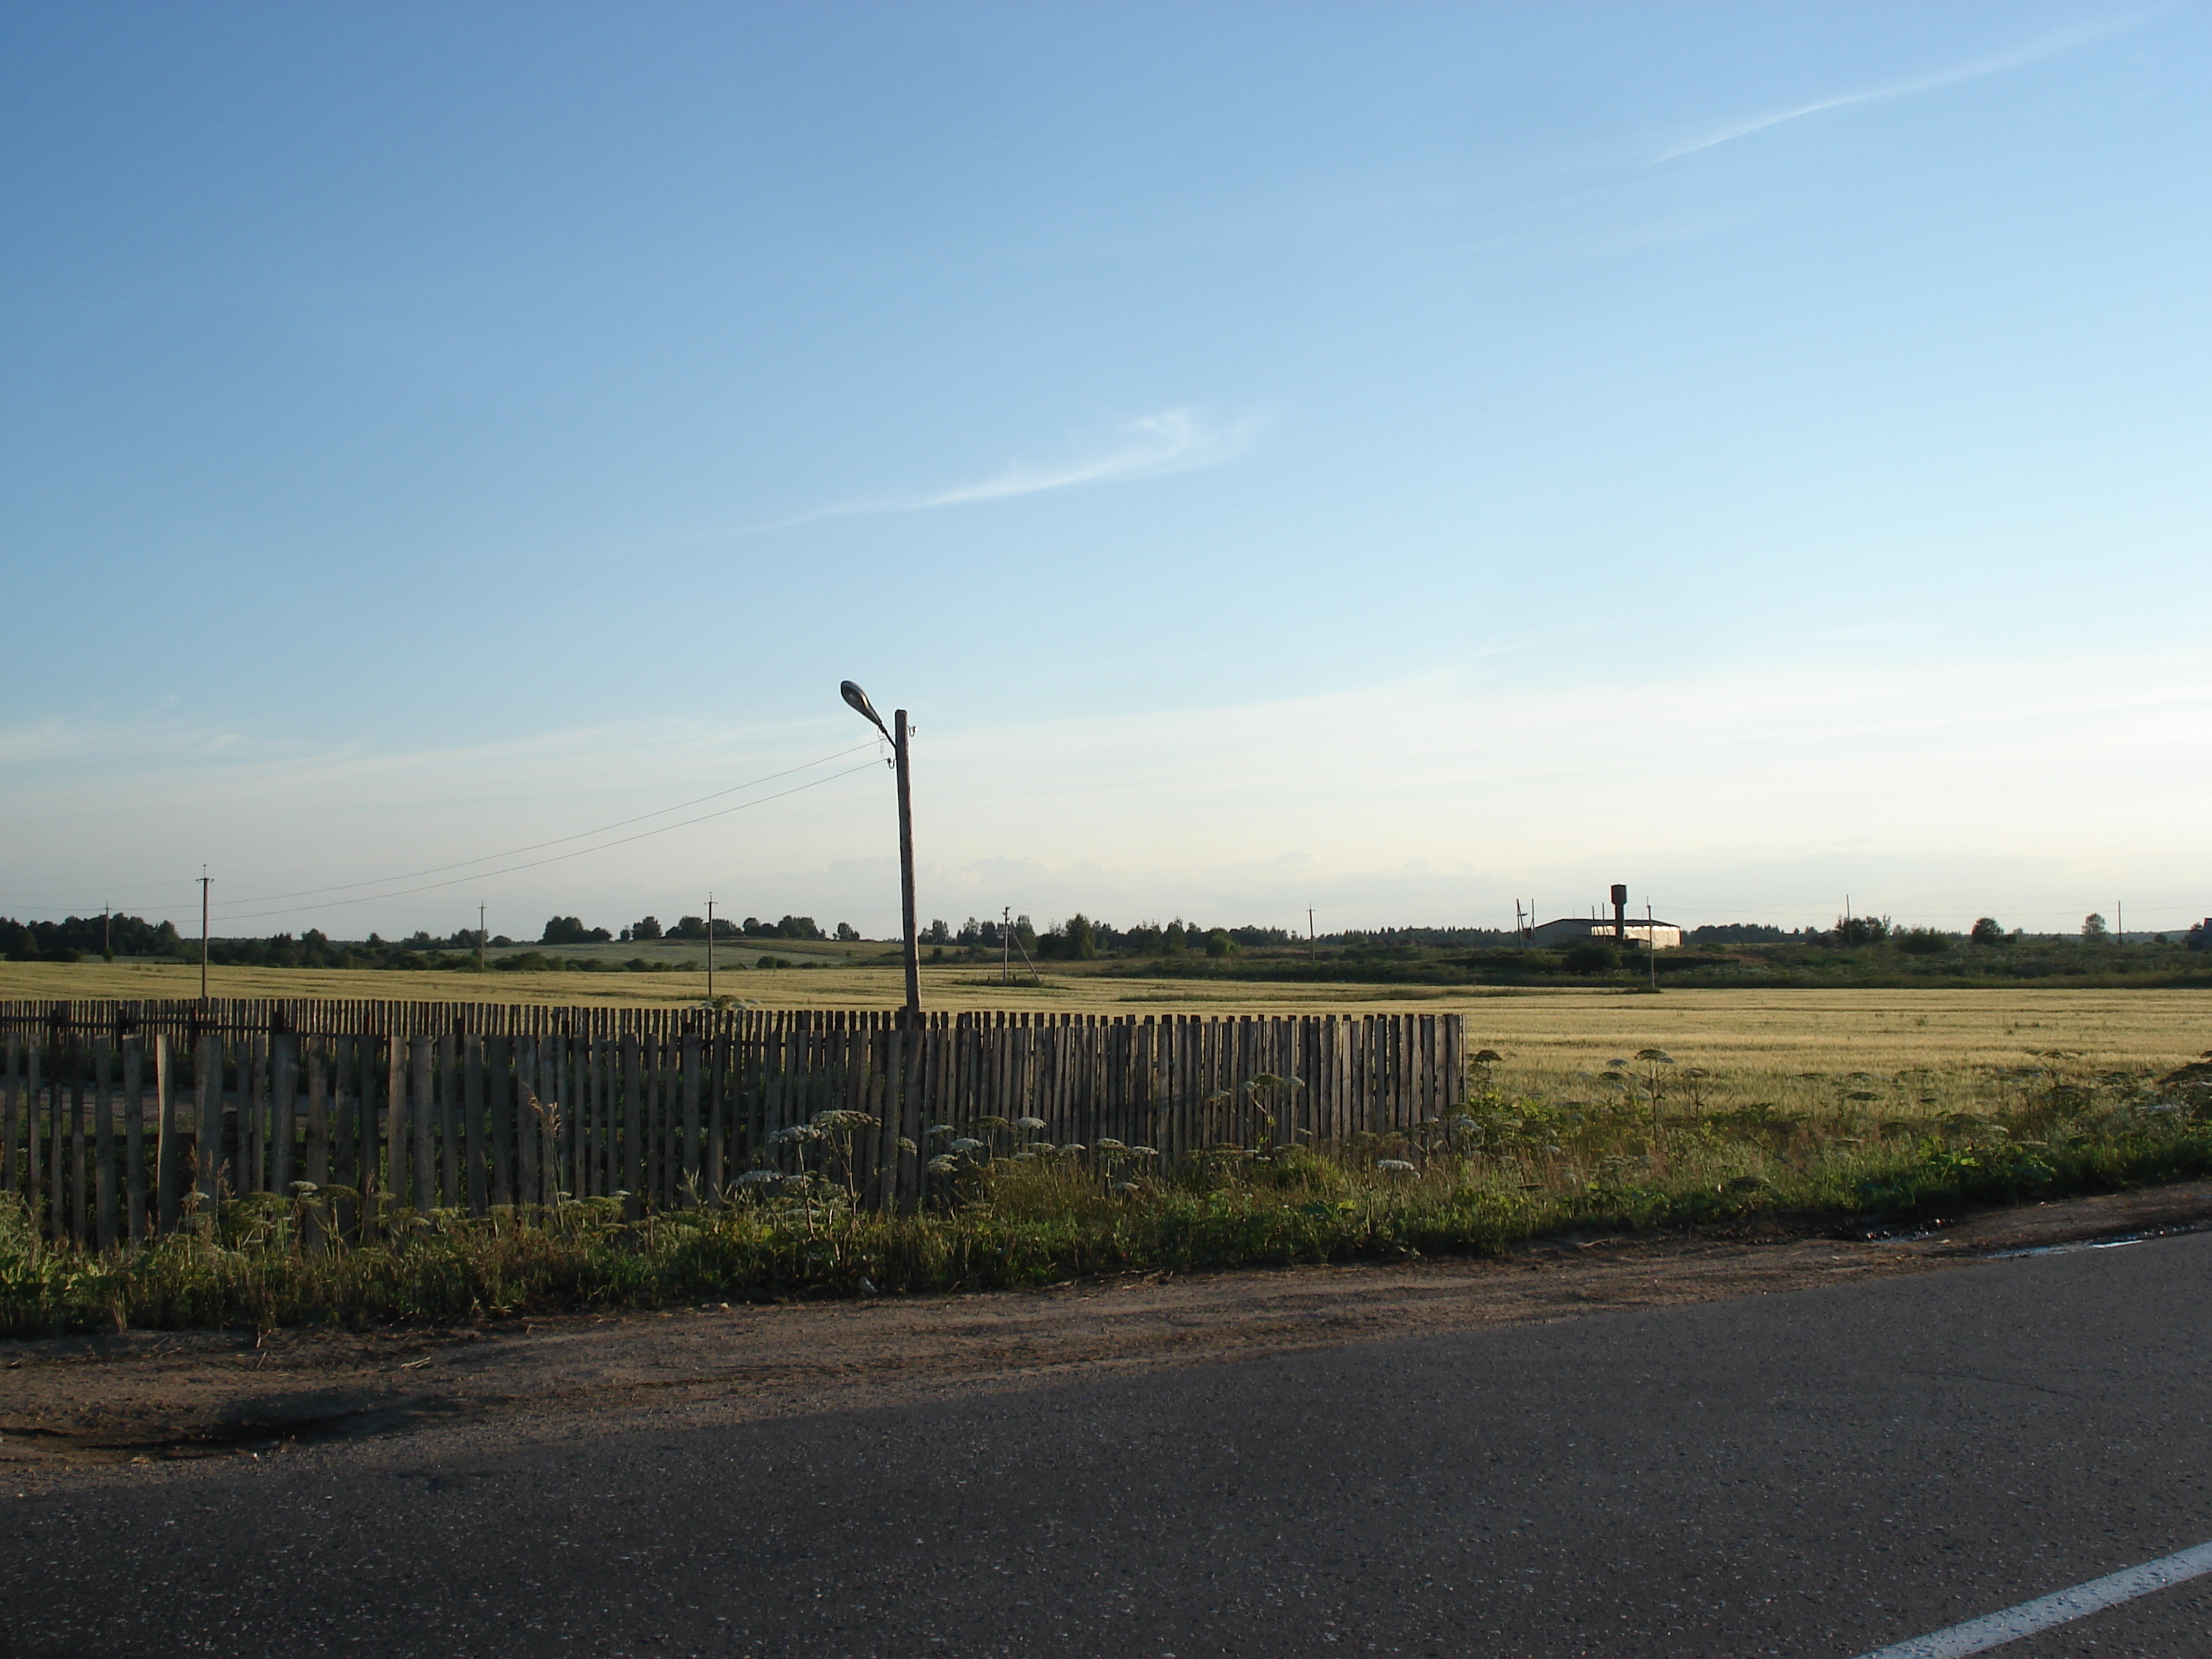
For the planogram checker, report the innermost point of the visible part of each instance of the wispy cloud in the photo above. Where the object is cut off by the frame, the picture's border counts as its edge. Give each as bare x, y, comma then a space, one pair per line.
2049, 46
1150, 446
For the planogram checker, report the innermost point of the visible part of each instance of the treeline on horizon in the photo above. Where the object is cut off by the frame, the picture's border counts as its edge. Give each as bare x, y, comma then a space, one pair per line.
1857, 951
116, 936
1856, 948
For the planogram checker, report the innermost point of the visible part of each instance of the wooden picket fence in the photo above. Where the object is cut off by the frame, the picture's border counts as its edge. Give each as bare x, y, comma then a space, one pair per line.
120, 1120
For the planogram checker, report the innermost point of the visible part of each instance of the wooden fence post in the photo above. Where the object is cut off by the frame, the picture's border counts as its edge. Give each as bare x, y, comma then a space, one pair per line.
207, 1125
168, 1149
395, 1120
632, 1110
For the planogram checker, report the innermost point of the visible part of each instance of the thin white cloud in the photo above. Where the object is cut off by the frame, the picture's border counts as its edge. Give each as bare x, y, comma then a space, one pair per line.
2049, 46
1150, 446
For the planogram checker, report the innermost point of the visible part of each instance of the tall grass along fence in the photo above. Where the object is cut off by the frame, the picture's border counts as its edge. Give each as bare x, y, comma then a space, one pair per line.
120, 1121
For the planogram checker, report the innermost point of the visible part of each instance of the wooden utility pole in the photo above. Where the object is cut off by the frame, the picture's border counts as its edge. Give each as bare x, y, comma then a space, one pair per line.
1008, 943
1311, 956
906, 869
203, 919
710, 949
480, 939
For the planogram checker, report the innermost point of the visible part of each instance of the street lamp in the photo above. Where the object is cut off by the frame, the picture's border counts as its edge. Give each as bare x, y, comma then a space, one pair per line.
897, 732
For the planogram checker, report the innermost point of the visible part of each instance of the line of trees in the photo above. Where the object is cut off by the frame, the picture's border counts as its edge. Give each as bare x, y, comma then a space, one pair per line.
78, 937
1080, 939
1085, 939
568, 930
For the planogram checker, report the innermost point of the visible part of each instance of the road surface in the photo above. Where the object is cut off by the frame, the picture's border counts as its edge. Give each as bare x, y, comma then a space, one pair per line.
1819, 1473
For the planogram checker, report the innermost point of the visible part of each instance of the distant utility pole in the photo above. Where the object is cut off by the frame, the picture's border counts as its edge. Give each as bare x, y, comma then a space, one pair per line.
204, 915
2120, 915
106, 934
1651, 943
710, 948
481, 937
1311, 956
1007, 945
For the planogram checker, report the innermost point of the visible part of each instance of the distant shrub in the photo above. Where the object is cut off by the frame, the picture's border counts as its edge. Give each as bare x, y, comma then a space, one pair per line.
1923, 942
1987, 931
1737, 933
1591, 957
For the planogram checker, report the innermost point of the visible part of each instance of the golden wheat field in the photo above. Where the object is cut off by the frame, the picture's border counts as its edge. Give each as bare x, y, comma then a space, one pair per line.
1541, 1033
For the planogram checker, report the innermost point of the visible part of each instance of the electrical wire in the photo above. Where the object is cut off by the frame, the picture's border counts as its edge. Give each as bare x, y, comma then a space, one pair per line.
187, 886
534, 863
517, 852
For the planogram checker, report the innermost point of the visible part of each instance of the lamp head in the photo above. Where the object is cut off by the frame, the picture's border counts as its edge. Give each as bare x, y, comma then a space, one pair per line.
858, 699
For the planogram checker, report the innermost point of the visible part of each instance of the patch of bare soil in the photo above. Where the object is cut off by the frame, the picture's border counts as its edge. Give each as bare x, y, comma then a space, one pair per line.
146, 1398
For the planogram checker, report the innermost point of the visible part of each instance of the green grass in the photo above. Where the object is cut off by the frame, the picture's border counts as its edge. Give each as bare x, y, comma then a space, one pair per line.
1658, 1150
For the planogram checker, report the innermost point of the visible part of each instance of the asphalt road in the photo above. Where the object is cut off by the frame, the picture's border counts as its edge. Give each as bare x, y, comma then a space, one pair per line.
1815, 1474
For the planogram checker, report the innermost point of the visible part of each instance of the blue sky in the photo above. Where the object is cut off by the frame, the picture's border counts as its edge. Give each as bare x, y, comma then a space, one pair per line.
1393, 459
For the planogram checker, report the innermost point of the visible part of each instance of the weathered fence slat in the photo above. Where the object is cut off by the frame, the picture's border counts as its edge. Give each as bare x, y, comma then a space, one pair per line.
134, 1138
103, 1129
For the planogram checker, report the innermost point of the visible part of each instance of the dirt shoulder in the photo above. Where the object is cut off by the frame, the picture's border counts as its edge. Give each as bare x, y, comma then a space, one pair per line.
142, 1399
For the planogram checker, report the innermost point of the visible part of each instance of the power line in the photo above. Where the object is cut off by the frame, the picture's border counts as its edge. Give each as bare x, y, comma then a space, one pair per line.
33, 900
534, 863
581, 834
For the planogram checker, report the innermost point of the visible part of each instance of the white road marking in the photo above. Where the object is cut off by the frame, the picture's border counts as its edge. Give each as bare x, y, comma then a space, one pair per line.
1996, 1628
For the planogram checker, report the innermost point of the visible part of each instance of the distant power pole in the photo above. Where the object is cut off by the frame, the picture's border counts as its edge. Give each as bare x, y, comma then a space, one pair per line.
204, 915
481, 937
2120, 915
106, 934
1311, 956
710, 948
1008, 945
